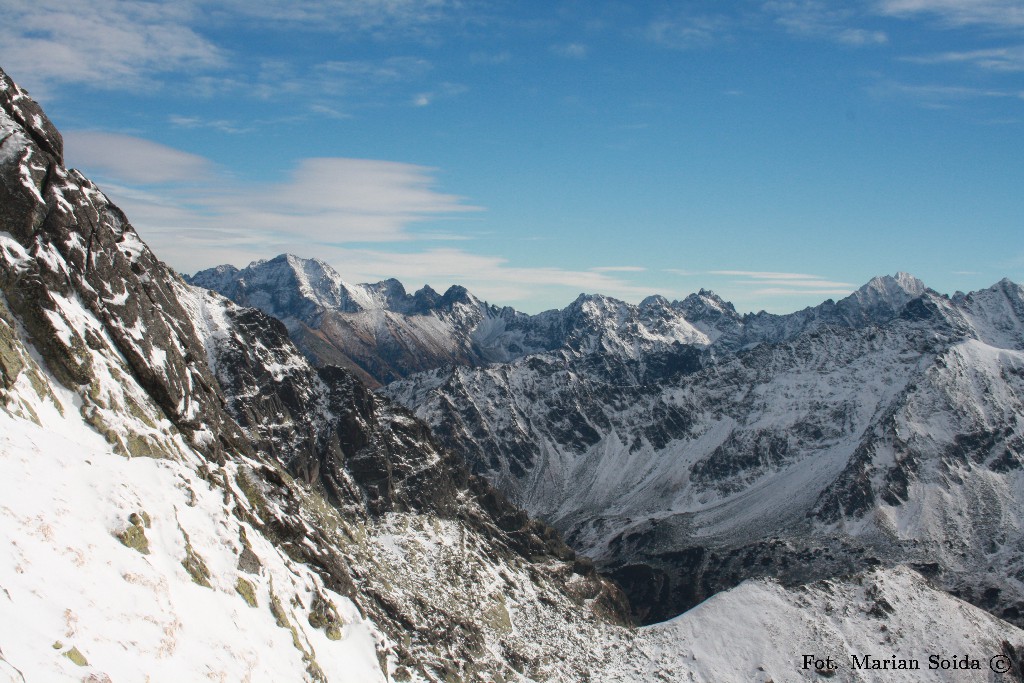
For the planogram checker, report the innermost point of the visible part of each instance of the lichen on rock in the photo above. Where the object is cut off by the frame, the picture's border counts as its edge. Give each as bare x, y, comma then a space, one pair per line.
77, 657
248, 592
194, 564
134, 536
324, 615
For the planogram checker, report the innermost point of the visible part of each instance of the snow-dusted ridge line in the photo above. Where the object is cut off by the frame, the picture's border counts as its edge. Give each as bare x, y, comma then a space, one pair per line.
384, 334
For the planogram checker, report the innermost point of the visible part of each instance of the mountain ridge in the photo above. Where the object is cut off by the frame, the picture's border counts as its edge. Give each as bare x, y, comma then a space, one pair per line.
545, 425
383, 334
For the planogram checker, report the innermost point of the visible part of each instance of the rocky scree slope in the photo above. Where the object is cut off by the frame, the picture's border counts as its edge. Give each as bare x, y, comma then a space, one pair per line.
882, 429
186, 497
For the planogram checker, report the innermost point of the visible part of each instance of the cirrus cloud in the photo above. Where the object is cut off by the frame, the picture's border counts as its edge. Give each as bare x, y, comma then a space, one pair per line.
106, 44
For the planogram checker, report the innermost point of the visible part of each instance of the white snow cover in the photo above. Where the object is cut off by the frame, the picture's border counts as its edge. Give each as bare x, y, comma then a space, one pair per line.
67, 582
760, 632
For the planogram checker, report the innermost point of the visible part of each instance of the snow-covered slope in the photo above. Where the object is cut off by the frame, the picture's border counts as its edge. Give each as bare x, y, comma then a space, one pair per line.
125, 569
778, 634
121, 568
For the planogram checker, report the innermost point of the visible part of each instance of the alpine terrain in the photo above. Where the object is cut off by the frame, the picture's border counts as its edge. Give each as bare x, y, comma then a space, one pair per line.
879, 430
686, 447
187, 497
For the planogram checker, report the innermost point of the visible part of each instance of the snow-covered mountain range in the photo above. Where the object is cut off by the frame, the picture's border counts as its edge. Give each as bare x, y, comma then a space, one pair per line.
885, 428
382, 333
686, 447
186, 497
378, 331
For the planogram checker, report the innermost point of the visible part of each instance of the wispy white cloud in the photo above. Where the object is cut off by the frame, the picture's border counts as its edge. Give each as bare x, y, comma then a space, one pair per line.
812, 283
771, 283
377, 16
1001, 59
683, 31
336, 88
106, 44
443, 91
327, 200
941, 95
144, 45
571, 50
618, 269
194, 122
860, 36
766, 275
342, 200
342, 76
490, 58
492, 277
999, 14
836, 22
133, 160
788, 291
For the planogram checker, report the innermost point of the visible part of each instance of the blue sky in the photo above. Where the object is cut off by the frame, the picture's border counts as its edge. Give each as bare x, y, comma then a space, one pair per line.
779, 152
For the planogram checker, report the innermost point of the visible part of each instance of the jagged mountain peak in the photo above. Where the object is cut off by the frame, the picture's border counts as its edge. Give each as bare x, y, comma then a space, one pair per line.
289, 286
896, 290
598, 306
1009, 287
457, 293
26, 118
655, 301
705, 302
880, 299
